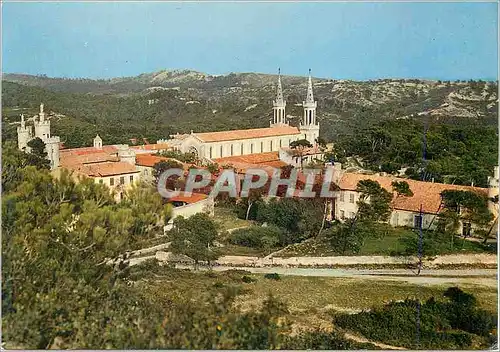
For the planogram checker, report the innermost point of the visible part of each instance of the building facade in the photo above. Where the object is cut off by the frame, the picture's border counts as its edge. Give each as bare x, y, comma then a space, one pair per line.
212, 145
405, 211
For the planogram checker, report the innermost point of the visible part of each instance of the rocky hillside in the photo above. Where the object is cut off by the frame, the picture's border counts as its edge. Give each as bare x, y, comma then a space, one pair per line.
156, 104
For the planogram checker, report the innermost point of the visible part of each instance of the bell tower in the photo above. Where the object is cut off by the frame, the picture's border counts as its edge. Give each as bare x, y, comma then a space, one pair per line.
279, 117
98, 142
309, 127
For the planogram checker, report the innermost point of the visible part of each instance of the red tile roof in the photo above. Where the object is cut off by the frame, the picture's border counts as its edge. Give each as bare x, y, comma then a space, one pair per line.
247, 134
72, 159
250, 158
104, 169
152, 147
306, 151
193, 198
275, 163
425, 193
150, 160
109, 149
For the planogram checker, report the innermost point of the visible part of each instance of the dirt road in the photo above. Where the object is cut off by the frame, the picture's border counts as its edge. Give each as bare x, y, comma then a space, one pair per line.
486, 277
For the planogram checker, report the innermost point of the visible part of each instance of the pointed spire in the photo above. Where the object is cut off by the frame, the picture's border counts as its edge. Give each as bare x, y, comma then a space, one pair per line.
310, 97
279, 94
41, 114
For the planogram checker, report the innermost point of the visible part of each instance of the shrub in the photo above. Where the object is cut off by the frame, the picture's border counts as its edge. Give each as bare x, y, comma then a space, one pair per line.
248, 279
258, 237
272, 276
321, 340
453, 324
218, 284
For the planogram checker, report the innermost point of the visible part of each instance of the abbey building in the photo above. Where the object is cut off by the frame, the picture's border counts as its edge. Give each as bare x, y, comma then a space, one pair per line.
214, 145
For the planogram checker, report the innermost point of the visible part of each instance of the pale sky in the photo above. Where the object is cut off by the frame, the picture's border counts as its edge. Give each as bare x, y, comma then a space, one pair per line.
336, 40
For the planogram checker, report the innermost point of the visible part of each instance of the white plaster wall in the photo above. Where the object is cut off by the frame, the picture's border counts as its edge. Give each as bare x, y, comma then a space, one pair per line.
146, 173
344, 204
260, 145
203, 206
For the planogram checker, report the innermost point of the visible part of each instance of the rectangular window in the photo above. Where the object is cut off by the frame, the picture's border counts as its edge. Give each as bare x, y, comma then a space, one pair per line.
231, 150
101, 181
342, 214
351, 198
241, 149
122, 180
341, 196
261, 147
131, 178
221, 151
210, 152
417, 221
111, 181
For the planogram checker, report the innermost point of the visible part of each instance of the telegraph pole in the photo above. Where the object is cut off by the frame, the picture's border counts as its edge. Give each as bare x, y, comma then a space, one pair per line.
420, 231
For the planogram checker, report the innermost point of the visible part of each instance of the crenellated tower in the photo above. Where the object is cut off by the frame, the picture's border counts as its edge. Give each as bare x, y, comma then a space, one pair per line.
309, 127
279, 116
24, 135
42, 126
42, 131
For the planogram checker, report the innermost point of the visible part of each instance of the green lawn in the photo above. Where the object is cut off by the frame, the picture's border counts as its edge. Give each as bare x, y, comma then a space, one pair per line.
387, 241
227, 219
388, 244
232, 249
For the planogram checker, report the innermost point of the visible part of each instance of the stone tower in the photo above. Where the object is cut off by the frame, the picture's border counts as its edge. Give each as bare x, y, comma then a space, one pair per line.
309, 127
42, 126
52, 149
279, 117
24, 135
493, 191
42, 131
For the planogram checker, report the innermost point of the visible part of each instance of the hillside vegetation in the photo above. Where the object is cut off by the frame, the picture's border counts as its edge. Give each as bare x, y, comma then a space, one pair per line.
380, 121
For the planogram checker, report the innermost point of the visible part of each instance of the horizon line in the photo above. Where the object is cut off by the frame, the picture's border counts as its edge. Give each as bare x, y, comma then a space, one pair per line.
96, 78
